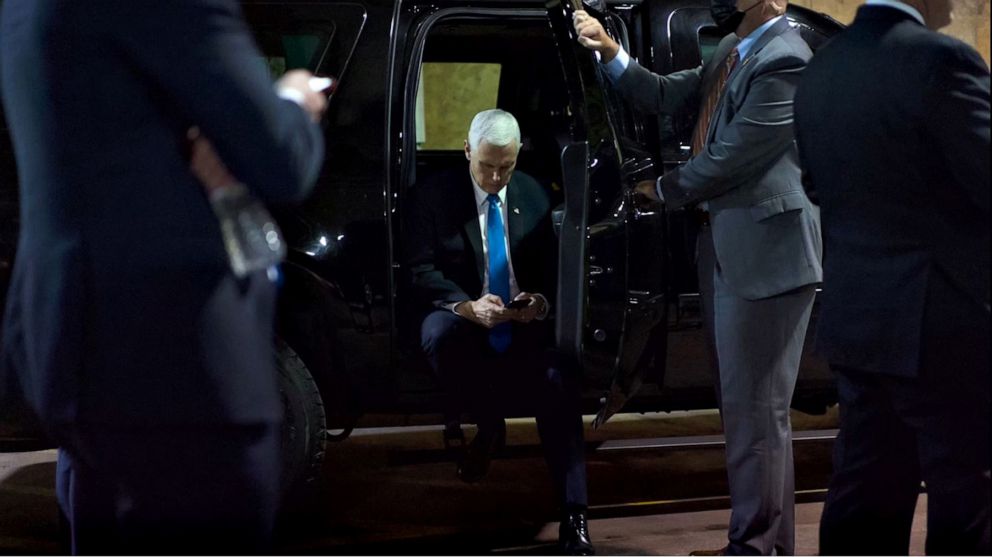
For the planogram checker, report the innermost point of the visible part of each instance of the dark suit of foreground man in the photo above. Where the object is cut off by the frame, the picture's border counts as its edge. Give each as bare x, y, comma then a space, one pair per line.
149, 363
893, 125
759, 253
487, 355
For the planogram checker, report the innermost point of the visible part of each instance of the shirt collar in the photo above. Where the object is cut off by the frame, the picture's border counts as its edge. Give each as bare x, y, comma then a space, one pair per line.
481, 195
899, 6
744, 47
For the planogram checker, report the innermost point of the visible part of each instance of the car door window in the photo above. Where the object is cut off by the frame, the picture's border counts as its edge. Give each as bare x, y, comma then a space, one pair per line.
471, 63
449, 95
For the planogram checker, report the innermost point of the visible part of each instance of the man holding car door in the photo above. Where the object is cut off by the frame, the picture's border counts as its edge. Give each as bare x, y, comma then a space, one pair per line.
758, 249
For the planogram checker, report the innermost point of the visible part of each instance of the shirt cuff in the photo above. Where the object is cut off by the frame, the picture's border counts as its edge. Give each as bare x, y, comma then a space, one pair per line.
451, 306
615, 67
657, 189
290, 95
547, 308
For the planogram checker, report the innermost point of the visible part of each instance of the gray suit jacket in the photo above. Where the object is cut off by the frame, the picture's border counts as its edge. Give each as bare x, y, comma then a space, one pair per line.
766, 232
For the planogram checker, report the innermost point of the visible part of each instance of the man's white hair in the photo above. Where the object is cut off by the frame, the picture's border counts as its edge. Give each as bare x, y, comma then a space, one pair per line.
496, 127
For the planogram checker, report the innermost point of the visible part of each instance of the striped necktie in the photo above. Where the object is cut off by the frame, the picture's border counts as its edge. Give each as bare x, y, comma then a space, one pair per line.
499, 270
712, 100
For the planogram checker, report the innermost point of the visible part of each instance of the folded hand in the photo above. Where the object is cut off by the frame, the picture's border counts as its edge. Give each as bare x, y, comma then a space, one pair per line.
205, 163
487, 311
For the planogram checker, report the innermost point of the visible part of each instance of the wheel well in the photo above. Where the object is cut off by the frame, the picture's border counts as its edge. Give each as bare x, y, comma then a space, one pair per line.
306, 319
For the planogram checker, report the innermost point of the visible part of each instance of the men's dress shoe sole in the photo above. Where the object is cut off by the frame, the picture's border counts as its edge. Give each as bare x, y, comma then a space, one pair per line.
708, 552
578, 550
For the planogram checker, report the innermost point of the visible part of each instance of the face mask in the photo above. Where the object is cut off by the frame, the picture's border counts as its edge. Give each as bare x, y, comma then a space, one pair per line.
727, 16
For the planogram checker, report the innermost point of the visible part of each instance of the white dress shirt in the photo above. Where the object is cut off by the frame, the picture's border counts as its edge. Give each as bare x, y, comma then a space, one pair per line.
482, 206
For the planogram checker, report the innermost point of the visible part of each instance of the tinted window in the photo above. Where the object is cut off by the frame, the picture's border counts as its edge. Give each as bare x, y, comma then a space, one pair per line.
448, 96
709, 38
475, 64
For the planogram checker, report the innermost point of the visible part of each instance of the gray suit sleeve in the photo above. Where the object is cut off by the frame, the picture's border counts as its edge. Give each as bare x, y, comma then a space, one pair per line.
650, 93
758, 135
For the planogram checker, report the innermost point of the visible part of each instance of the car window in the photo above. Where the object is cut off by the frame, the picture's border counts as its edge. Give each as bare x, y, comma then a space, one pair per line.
473, 63
313, 37
708, 38
449, 95
283, 51
328, 40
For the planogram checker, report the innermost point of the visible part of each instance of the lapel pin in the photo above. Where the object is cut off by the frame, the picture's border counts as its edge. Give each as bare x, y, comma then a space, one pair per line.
516, 210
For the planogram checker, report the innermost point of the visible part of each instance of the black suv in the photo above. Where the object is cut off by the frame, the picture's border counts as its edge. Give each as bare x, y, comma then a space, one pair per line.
412, 74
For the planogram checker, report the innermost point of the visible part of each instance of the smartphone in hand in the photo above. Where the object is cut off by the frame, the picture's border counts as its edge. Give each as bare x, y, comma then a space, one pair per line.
518, 304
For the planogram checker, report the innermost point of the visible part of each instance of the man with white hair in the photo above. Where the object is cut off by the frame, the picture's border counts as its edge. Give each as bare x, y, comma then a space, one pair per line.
483, 255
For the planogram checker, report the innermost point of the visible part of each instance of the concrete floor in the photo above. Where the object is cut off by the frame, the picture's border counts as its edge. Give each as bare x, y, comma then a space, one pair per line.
390, 490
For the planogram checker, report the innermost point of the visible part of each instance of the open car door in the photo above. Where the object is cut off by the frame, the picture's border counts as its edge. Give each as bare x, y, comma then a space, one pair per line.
612, 252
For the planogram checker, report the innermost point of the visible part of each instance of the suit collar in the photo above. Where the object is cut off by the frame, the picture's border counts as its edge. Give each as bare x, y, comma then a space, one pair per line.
513, 214
470, 220
889, 9
746, 44
780, 26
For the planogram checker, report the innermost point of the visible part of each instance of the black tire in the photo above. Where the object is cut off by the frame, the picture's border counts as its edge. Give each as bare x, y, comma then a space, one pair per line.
303, 430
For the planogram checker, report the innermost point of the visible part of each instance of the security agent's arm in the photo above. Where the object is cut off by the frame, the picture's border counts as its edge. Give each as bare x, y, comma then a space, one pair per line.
957, 113
204, 64
647, 92
650, 93
759, 134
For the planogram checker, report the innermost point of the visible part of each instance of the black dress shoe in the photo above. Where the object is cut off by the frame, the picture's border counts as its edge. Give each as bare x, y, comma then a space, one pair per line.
487, 442
573, 535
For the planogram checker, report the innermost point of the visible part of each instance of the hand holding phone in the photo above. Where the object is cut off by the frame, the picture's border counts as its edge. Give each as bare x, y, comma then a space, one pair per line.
519, 303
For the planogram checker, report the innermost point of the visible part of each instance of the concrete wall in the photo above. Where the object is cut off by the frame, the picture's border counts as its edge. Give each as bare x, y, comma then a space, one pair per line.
971, 19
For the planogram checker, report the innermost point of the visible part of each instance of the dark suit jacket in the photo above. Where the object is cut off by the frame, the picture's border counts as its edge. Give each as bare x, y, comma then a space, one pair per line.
444, 243
122, 308
893, 128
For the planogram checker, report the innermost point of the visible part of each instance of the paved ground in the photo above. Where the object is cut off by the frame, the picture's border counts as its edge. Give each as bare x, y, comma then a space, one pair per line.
390, 490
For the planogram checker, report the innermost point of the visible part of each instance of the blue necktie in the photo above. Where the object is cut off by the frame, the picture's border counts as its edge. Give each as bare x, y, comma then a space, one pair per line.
499, 270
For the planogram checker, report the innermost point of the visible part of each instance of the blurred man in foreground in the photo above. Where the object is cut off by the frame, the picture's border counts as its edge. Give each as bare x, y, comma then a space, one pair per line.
148, 361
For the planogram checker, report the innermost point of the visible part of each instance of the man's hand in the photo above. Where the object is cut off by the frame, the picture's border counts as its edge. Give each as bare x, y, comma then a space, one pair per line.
648, 188
205, 163
298, 81
528, 313
487, 311
593, 36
